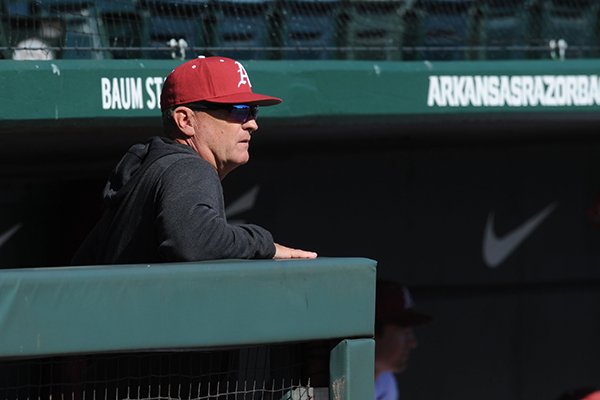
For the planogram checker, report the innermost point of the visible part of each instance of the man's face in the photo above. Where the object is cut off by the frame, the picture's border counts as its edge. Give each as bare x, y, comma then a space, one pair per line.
393, 347
227, 140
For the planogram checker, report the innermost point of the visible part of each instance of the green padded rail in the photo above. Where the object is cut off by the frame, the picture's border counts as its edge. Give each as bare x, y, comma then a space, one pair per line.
351, 368
68, 310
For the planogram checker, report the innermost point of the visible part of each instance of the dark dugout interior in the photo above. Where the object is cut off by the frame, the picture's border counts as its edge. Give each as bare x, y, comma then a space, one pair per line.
416, 194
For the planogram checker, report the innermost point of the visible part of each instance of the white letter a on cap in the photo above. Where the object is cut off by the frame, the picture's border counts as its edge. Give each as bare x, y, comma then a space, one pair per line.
244, 79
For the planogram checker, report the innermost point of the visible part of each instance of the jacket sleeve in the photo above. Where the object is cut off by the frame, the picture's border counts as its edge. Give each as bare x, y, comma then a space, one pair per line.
190, 218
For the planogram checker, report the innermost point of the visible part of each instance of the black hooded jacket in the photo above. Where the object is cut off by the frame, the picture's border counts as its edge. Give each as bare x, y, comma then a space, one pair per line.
164, 203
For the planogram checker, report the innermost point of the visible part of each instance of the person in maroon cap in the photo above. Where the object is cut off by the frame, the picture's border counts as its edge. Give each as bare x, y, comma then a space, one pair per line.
164, 200
395, 318
582, 393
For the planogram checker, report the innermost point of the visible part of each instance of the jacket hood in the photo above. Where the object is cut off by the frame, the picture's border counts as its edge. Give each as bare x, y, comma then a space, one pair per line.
138, 157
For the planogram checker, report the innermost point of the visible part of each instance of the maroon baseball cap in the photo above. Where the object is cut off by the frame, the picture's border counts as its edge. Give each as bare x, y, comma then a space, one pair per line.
212, 79
394, 304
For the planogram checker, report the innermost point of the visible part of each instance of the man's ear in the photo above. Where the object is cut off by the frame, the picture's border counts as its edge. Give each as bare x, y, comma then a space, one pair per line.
183, 118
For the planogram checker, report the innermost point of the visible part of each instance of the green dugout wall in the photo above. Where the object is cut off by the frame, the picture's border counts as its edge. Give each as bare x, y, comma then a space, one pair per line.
100, 107
63, 90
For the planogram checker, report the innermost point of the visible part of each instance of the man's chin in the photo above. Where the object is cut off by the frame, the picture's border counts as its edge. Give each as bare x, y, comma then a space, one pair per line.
400, 368
242, 159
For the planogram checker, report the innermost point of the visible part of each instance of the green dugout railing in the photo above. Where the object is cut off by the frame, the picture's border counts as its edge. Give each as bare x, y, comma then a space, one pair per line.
85, 310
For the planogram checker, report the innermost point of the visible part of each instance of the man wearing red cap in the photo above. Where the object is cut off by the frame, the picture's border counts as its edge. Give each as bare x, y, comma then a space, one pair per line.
164, 200
395, 318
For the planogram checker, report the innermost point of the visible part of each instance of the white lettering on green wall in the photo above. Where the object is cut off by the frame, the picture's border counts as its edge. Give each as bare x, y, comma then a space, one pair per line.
128, 93
513, 91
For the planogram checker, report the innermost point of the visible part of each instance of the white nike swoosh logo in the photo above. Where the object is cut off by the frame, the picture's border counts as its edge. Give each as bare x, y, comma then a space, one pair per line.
8, 234
497, 249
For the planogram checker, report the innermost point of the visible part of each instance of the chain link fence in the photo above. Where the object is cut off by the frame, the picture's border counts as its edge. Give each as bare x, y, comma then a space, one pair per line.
300, 29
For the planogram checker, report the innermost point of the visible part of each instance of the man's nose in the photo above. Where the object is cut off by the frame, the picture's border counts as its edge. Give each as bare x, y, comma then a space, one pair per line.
412, 338
250, 125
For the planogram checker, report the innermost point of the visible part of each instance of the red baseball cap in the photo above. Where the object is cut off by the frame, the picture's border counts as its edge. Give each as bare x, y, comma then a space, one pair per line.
593, 396
213, 79
394, 304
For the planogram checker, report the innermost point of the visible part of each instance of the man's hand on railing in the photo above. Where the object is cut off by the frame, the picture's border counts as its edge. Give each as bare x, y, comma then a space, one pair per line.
287, 252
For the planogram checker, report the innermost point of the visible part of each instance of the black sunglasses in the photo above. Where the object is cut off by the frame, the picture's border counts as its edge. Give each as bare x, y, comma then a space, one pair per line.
239, 113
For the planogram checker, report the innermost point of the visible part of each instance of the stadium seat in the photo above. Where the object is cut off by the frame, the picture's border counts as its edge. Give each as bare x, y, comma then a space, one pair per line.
90, 24
64, 6
125, 30
501, 24
82, 36
242, 29
374, 29
182, 19
3, 30
310, 27
446, 29
17, 7
23, 29
82, 33
115, 6
576, 22
123, 26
